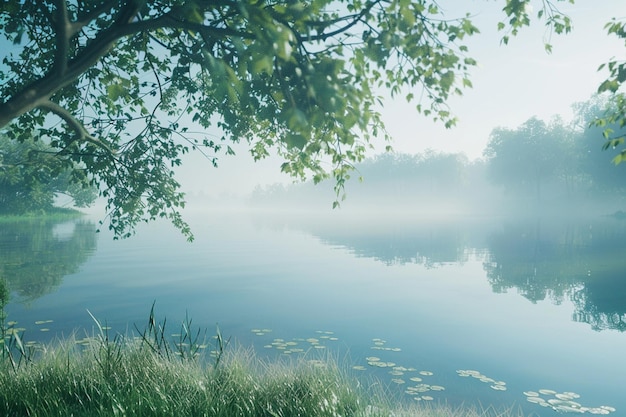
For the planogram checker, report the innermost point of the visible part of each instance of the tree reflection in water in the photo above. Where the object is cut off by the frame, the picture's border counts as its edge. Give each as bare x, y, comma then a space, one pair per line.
38, 253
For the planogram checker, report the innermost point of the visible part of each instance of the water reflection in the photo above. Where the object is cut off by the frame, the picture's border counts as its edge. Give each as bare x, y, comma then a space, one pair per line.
38, 253
400, 241
581, 261
541, 259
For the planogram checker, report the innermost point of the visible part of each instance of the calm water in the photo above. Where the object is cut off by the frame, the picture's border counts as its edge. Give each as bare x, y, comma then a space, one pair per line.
536, 304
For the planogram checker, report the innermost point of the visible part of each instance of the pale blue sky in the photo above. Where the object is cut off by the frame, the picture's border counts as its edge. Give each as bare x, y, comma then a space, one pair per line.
517, 81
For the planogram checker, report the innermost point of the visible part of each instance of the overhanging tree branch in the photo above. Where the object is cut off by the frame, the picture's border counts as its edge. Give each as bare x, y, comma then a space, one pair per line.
81, 133
61, 26
40, 91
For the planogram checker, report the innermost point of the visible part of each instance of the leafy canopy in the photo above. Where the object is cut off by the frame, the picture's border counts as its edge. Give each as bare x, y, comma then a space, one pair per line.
31, 175
123, 89
614, 118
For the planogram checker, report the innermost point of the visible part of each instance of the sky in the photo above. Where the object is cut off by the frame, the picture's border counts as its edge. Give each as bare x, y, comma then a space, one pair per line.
511, 84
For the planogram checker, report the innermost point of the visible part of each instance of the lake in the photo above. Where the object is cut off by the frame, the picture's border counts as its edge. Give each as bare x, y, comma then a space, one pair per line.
465, 310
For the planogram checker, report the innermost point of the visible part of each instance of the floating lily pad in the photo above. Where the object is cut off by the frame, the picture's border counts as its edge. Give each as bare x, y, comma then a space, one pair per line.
416, 379
425, 373
599, 411
422, 387
397, 381
547, 392
568, 409
531, 393
372, 359
359, 368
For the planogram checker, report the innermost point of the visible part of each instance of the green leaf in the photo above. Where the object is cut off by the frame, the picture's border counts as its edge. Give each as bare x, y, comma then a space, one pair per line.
295, 141
115, 91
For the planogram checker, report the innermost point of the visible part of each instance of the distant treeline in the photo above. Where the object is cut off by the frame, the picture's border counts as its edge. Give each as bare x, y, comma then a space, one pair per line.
537, 166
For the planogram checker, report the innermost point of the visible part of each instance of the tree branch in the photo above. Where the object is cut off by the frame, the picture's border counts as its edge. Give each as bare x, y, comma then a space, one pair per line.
356, 18
84, 18
81, 133
61, 25
39, 92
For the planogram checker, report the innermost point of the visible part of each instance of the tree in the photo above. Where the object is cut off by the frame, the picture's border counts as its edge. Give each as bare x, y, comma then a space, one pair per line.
31, 175
124, 88
593, 126
527, 157
614, 116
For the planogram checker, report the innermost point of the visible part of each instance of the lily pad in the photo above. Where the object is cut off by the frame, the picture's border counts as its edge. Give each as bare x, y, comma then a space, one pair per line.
547, 391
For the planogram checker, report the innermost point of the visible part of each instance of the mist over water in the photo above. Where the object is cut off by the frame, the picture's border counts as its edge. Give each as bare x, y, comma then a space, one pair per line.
534, 302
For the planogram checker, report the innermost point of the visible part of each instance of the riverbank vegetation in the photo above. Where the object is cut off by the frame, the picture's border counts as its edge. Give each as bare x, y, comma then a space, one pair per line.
147, 375
51, 214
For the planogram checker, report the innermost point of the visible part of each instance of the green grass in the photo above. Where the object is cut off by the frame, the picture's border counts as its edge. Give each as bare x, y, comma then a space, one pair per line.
69, 380
147, 375
55, 213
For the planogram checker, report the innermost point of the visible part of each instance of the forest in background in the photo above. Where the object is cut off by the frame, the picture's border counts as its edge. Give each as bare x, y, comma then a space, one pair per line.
553, 167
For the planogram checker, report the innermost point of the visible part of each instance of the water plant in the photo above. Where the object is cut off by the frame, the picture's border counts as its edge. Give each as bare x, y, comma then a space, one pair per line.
156, 374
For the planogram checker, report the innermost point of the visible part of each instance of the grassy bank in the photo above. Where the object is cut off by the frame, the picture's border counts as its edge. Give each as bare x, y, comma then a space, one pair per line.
68, 380
151, 374
55, 213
